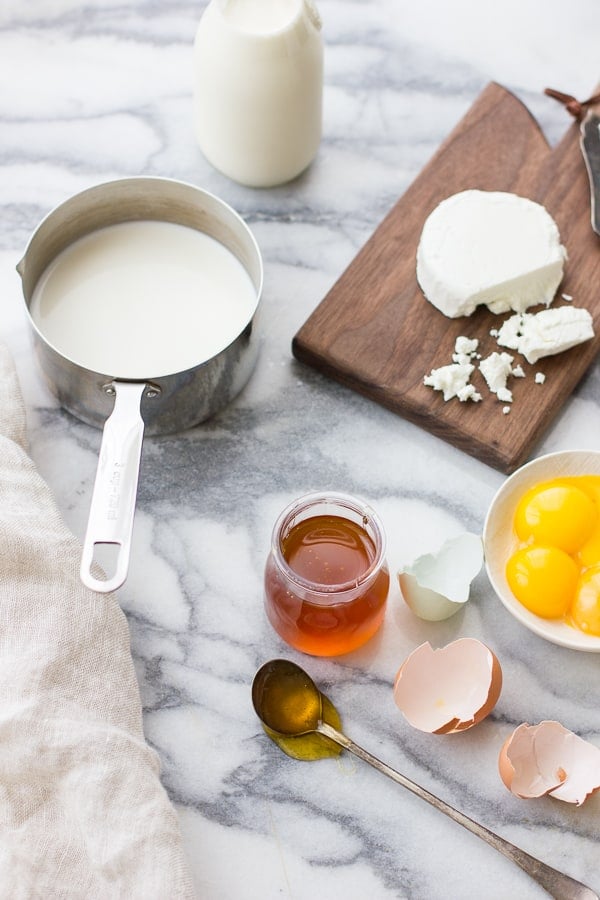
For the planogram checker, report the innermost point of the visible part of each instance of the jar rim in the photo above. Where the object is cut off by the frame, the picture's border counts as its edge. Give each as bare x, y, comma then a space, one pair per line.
349, 502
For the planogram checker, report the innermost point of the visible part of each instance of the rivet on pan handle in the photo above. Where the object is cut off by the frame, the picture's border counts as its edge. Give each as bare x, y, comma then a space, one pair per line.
113, 500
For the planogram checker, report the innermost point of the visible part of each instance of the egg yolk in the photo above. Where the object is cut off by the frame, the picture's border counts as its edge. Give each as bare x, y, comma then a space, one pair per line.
589, 552
585, 609
556, 513
555, 573
543, 579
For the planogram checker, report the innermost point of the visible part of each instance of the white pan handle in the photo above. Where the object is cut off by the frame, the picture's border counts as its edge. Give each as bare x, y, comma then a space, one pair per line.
115, 488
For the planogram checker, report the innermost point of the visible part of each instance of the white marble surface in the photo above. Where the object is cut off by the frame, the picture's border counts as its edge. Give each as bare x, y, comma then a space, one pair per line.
98, 90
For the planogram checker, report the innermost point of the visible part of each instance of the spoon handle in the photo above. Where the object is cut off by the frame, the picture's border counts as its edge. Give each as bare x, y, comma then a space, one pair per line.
558, 885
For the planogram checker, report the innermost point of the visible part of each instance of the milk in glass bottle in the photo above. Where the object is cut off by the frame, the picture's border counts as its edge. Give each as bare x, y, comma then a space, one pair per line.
258, 86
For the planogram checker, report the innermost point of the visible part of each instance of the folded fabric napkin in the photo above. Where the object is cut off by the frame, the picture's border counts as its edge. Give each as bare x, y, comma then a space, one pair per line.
82, 811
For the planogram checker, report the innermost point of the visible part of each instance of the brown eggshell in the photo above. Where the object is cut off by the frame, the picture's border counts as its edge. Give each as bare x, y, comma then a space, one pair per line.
536, 760
450, 689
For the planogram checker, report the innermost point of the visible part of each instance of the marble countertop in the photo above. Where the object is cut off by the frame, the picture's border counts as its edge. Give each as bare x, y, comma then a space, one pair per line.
93, 91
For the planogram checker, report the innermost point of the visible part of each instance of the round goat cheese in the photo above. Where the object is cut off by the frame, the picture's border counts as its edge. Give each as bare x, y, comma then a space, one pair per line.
492, 248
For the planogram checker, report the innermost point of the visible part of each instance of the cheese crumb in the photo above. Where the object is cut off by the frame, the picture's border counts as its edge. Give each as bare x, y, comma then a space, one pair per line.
468, 393
453, 381
464, 349
506, 410
567, 297
546, 333
496, 369
465, 345
540, 378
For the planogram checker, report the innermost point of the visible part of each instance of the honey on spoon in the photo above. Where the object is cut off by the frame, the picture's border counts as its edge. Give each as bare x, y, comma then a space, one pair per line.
290, 705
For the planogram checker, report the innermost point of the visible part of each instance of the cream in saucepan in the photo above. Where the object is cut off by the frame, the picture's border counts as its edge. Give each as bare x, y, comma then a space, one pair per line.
143, 299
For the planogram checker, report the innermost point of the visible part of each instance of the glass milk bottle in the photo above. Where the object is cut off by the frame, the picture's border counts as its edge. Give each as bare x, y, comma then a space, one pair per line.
258, 84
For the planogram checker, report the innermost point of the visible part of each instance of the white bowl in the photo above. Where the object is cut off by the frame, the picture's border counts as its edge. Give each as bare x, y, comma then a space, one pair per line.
500, 540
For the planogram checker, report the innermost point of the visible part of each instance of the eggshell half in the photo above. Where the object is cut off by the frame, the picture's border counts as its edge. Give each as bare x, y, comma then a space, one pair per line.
450, 689
437, 585
548, 759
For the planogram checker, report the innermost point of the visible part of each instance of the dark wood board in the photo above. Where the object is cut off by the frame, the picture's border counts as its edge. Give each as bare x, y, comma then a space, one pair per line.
376, 333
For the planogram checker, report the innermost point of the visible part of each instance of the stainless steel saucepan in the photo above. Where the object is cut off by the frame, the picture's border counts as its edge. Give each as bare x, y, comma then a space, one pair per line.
157, 403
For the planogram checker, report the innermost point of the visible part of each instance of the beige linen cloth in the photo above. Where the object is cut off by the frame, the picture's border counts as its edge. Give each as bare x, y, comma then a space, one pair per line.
82, 811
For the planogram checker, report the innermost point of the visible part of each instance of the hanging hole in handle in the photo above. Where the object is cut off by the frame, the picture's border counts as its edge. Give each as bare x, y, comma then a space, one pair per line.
105, 560
103, 566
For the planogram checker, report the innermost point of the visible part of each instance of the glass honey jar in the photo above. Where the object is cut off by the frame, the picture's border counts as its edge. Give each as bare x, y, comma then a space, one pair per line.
326, 578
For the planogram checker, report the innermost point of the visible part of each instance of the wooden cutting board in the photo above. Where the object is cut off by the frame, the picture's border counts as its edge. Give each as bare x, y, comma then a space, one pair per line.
376, 333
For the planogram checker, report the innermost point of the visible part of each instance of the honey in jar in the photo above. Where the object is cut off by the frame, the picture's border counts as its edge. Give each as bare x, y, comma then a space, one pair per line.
326, 579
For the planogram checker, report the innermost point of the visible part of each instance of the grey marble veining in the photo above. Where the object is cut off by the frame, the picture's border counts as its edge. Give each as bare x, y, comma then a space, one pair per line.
99, 90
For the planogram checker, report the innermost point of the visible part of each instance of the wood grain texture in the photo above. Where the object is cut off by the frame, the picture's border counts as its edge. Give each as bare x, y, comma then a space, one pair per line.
375, 332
